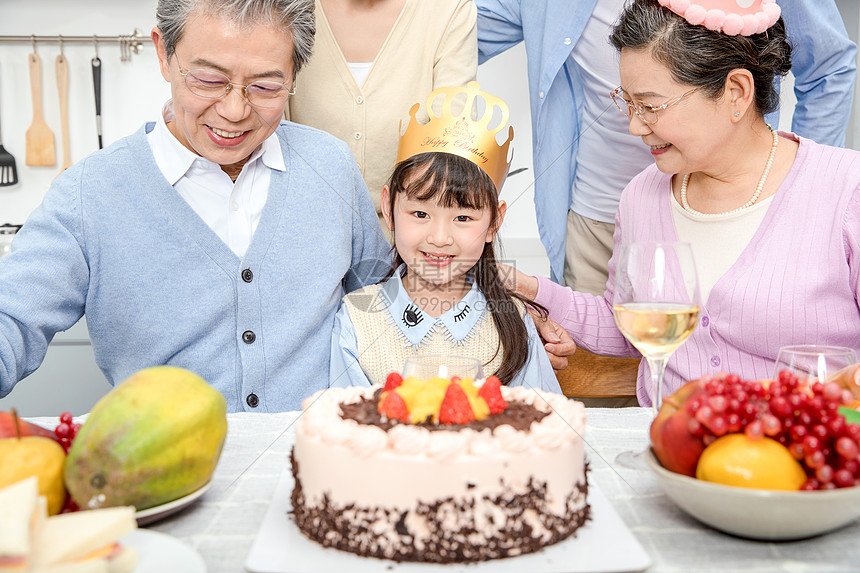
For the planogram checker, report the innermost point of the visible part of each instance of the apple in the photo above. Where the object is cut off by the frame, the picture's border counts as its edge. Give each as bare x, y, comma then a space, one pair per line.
677, 449
11, 426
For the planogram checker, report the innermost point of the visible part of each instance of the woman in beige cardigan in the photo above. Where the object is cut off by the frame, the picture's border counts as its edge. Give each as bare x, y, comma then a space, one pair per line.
372, 60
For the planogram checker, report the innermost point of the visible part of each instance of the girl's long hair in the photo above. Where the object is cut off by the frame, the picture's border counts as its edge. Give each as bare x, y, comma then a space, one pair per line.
454, 181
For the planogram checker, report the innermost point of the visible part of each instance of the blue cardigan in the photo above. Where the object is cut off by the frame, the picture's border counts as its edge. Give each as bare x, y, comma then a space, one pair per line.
114, 240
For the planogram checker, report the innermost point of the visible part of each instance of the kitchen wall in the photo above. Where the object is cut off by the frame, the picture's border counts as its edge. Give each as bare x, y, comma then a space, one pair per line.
131, 91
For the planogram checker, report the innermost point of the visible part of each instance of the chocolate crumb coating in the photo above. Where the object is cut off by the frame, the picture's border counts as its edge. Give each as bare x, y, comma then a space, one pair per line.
352, 528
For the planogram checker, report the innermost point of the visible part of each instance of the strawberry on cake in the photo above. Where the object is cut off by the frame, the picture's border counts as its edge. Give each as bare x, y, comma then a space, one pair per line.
439, 470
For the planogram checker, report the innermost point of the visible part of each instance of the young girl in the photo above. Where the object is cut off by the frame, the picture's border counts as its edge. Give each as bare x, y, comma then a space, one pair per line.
444, 294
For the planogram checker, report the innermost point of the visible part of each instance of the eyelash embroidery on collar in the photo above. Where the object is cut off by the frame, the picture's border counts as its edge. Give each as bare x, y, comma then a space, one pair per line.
462, 314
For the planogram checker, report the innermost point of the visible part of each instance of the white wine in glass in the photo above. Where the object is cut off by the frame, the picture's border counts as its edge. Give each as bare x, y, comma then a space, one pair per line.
656, 307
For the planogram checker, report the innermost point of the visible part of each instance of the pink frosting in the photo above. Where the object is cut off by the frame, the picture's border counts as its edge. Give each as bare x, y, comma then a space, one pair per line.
732, 17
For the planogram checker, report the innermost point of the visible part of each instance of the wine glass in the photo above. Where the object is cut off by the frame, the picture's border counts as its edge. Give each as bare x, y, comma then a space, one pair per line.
443, 366
656, 306
814, 362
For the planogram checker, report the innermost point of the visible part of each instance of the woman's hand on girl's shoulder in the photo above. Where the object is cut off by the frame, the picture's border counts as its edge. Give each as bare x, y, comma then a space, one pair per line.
557, 342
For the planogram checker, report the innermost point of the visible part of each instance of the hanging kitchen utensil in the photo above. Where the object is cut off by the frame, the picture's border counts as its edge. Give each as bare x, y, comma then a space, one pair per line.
97, 89
63, 91
7, 233
8, 171
40, 138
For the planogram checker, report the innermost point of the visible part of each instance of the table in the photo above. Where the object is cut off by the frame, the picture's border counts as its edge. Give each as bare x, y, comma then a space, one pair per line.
222, 525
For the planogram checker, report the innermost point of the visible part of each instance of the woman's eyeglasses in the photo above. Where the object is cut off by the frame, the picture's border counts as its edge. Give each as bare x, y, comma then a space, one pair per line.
213, 85
644, 111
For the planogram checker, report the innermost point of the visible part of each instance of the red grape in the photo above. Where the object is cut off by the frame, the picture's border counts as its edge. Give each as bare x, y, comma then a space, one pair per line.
66, 430
62, 430
815, 460
811, 444
843, 478
771, 424
824, 474
718, 425
718, 403
847, 448
754, 430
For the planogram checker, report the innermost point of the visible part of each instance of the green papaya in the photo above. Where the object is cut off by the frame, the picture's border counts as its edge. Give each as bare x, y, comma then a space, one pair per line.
154, 438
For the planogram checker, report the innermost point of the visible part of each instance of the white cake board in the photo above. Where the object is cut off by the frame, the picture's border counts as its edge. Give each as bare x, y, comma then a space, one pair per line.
603, 545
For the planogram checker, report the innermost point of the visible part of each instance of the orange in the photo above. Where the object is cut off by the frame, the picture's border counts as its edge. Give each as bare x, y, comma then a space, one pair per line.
736, 460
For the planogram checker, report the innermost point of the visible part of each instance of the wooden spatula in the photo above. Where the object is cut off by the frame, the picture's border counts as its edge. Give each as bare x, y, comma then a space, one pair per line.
63, 90
40, 138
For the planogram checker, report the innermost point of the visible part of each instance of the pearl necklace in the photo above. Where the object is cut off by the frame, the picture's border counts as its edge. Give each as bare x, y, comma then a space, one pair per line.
746, 205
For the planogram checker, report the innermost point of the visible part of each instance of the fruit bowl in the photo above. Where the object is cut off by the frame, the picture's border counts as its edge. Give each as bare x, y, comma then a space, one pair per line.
756, 513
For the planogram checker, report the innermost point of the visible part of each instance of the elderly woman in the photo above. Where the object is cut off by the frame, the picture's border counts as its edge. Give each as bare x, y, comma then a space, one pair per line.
774, 219
199, 240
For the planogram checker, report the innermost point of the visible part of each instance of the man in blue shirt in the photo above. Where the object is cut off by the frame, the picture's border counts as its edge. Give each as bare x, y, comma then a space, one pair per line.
583, 154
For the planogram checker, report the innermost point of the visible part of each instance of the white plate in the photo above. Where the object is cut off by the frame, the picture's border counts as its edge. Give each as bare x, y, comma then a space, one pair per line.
162, 553
603, 545
153, 514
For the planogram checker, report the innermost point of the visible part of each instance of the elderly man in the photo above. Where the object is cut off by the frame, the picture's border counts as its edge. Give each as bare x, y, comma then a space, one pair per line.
213, 239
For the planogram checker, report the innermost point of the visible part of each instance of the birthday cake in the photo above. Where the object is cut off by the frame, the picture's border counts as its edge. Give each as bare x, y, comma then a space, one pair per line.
422, 471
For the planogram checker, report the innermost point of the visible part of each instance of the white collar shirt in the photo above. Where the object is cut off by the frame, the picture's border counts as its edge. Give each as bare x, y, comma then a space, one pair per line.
231, 209
607, 156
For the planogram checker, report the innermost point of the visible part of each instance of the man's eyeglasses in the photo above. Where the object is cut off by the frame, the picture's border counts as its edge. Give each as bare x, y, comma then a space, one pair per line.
213, 85
644, 111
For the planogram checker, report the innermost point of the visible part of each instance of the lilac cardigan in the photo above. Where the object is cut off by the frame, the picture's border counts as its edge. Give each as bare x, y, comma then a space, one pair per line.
797, 282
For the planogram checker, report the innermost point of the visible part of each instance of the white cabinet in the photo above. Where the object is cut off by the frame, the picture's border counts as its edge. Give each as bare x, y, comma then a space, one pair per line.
67, 381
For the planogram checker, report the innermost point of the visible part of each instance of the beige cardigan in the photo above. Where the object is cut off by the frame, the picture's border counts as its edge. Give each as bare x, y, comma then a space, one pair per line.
433, 44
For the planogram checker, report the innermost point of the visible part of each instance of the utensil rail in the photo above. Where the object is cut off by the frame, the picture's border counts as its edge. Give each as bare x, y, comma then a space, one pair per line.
130, 43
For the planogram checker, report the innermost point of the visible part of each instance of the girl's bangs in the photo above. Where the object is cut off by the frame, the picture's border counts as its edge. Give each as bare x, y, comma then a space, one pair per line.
450, 180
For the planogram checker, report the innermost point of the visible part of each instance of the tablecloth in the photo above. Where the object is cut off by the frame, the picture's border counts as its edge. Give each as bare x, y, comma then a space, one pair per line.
222, 525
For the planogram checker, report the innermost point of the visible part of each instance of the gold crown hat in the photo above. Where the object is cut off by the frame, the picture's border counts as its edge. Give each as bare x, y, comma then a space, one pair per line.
460, 134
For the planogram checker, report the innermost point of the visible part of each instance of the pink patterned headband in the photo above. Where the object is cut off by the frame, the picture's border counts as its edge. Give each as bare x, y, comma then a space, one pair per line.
732, 17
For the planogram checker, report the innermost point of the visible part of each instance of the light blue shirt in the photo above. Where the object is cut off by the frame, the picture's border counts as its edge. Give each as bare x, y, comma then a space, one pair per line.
823, 65
458, 323
113, 239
